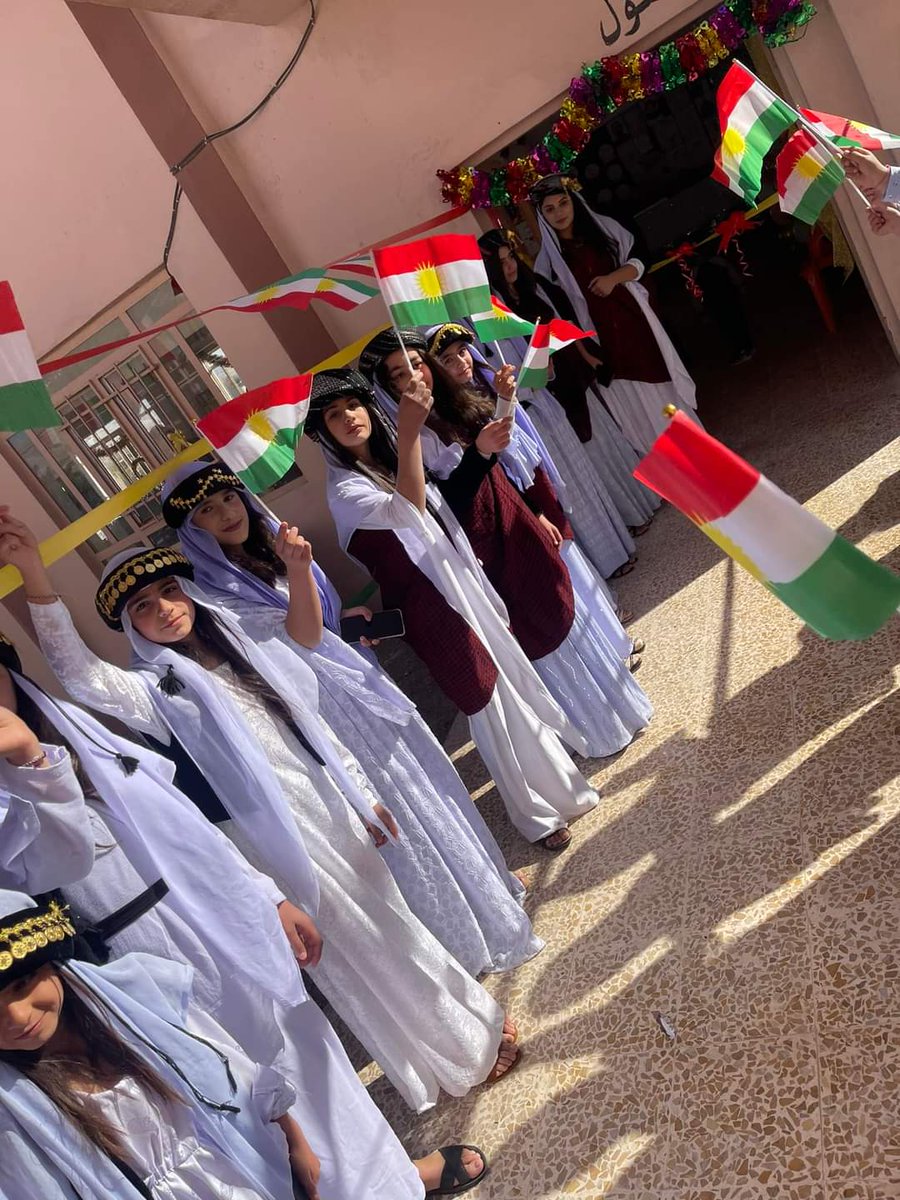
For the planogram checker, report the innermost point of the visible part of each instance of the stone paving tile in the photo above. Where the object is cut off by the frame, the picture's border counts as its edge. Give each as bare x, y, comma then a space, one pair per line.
741, 873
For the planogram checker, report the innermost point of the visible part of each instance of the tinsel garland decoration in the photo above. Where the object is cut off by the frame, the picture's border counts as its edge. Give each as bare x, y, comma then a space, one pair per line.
604, 86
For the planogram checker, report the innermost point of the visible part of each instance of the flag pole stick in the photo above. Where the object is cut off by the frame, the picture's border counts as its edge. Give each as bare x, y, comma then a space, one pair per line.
505, 408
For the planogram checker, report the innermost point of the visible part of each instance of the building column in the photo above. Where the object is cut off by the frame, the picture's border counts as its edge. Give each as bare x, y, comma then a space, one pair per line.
158, 103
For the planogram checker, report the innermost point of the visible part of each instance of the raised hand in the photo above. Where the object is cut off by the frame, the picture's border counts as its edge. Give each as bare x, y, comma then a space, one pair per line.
18, 744
505, 382
293, 549
414, 404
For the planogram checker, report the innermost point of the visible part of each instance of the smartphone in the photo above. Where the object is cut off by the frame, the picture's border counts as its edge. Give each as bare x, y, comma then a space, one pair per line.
386, 624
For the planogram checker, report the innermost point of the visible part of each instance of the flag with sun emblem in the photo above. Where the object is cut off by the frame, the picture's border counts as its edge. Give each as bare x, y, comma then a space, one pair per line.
434, 280
751, 118
837, 590
257, 433
316, 283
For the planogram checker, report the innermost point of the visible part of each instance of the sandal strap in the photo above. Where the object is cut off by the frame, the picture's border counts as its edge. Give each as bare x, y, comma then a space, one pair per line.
454, 1172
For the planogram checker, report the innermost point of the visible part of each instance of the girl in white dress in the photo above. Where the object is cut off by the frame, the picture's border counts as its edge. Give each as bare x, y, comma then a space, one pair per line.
247, 716
411, 543
511, 515
112, 1086
446, 863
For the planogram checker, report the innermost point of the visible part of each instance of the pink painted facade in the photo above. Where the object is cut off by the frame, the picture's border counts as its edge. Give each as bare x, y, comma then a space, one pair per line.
344, 155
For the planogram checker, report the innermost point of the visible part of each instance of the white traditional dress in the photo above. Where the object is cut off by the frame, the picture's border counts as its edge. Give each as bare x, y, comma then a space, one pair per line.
517, 731
446, 862
422, 1017
66, 840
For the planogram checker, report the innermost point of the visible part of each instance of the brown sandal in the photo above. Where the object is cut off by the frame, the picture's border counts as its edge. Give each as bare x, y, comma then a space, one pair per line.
498, 1071
510, 1032
640, 530
625, 569
560, 846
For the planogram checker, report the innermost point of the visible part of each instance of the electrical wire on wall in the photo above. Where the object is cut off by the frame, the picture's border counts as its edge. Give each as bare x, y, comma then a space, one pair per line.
209, 138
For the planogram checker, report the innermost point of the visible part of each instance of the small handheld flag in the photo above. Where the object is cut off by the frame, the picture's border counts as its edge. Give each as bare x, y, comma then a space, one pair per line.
24, 399
257, 433
500, 322
844, 132
546, 340
433, 280
808, 176
837, 590
751, 118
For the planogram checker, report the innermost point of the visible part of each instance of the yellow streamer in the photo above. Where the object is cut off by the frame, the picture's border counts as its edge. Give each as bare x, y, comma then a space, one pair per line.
64, 541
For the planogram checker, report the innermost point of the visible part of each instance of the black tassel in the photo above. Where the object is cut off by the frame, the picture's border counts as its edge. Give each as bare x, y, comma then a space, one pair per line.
170, 684
128, 764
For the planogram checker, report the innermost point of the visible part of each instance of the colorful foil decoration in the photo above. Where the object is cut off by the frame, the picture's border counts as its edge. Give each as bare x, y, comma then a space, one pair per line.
604, 86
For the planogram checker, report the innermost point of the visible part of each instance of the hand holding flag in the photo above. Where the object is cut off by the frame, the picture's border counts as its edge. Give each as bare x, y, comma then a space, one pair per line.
546, 340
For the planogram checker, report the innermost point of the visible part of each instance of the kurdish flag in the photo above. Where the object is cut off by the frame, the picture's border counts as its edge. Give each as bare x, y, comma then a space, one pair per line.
434, 280
845, 132
501, 322
808, 176
837, 590
24, 399
316, 283
546, 340
257, 433
751, 118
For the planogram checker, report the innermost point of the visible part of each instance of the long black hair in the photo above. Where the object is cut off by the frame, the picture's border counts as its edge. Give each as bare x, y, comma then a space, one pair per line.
212, 634
257, 554
108, 1058
459, 414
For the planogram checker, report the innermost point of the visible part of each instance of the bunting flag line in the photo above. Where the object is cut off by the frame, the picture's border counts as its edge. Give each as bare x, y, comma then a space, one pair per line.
837, 590
433, 280
25, 402
751, 118
808, 176
546, 340
501, 322
256, 434
844, 132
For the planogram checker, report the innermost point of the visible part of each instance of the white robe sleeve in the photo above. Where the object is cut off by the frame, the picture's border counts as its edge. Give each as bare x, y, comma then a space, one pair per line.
98, 684
364, 506
46, 838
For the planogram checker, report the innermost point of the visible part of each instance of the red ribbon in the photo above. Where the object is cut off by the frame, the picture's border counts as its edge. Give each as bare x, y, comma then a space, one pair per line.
733, 226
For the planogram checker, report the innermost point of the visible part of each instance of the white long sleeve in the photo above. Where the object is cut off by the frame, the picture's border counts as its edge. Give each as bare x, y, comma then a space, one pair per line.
46, 839
98, 684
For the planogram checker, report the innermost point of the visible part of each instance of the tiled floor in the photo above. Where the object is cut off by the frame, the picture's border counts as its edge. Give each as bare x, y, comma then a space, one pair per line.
742, 873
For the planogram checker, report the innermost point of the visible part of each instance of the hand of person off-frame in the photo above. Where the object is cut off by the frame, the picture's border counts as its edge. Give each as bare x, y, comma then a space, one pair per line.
18, 545
884, 219
866, 171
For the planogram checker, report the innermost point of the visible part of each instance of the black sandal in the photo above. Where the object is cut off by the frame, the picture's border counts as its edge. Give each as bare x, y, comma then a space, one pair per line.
625, 569
454, 1180
639, 530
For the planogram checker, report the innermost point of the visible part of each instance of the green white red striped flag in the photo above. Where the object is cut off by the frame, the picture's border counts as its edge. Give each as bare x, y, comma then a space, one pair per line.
501, 322
751, 118
808, 176
546, 340
837, 590
24, 399
434, 280
844, 132
316, 283
257, 433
